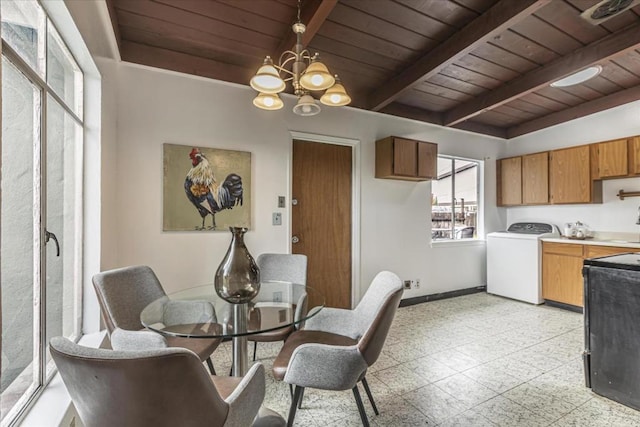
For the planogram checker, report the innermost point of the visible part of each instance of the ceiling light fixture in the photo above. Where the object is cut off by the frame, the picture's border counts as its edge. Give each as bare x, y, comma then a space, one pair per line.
306, 74
579, 77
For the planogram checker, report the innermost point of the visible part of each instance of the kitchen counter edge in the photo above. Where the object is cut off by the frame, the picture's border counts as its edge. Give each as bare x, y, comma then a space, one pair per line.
595, 242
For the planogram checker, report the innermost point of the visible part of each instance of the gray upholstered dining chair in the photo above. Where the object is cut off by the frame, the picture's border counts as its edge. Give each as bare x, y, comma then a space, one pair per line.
286, 268
337, 346
159, 387
124, 292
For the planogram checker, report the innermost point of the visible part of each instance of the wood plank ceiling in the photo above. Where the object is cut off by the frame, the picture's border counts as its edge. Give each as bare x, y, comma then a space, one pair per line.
479, 65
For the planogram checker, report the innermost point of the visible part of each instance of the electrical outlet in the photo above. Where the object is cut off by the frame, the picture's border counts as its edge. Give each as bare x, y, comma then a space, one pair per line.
417, 283
407, 284
277, 218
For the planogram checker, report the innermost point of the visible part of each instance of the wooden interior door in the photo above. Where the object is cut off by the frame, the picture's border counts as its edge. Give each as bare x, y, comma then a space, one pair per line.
321, 218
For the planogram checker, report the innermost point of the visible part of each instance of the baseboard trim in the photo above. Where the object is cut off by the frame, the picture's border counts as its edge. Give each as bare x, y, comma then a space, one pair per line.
564, 306
443, 295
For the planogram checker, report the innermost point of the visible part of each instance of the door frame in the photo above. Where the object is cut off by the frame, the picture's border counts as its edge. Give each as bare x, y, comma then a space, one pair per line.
355, 199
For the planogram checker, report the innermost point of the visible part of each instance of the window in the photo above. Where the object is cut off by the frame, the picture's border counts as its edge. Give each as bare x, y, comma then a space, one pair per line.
41, 210
454, 199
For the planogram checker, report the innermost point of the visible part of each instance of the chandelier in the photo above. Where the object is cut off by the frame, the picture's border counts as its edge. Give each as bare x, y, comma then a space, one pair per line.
306, 74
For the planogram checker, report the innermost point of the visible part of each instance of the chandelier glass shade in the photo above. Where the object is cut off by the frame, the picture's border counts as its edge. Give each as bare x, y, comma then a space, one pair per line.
267, 79
336, 96
305, 73
268, 101
306, 106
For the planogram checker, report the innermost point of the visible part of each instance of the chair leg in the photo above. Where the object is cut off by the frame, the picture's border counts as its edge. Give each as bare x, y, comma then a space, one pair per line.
294, 405
300, 400
210, 365
369, 395
291, 391
363, 414
255, 349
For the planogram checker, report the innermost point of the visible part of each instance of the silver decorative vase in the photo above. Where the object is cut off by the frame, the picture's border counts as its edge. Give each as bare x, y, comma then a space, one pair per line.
238, 278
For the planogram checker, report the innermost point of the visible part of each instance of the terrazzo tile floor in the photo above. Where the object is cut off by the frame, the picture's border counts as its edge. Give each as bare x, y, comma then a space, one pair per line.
476, 360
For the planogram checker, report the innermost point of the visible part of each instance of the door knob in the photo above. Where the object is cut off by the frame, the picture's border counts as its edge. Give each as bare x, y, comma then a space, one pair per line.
295, 239
294, 202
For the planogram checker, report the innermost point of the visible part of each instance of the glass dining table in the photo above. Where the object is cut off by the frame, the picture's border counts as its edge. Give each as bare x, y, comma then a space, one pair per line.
199, 312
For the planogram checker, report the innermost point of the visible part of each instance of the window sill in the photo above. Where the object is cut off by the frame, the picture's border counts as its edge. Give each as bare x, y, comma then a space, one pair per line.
53, 407
457, 243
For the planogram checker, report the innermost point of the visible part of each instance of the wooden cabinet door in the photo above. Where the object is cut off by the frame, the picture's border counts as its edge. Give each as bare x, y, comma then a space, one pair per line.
570, 175
562, 278
535, 179
510, 181
427, 160
634, 155
611, 159
404, 157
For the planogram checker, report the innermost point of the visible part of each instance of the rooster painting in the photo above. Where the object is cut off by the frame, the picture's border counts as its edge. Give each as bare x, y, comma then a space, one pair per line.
206, 193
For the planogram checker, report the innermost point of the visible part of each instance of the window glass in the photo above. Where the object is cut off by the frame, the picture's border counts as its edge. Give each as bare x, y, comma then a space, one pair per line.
63, 153
63, 74
23, 23
41, 191
454, 200
20, 126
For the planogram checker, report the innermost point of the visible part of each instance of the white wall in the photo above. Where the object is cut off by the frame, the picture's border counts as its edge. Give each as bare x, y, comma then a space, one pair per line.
613, 214
155, 107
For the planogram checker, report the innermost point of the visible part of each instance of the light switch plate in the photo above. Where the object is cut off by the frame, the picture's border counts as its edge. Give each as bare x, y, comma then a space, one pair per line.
277, 218
281, 201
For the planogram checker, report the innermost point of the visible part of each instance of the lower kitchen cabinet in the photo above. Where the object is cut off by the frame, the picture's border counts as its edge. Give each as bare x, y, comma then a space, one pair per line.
562, 269
562, 273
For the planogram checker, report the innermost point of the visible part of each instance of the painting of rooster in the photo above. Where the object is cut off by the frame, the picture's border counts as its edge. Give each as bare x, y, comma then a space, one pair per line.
207, 195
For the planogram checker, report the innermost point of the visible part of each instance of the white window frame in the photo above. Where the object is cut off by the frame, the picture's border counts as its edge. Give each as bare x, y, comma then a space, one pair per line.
480, 206
88, 207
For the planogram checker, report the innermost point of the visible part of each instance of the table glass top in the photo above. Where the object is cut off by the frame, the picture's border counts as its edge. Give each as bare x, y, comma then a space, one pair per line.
200, 313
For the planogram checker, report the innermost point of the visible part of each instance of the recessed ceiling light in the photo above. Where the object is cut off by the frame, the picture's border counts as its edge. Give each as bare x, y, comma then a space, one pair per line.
579, 77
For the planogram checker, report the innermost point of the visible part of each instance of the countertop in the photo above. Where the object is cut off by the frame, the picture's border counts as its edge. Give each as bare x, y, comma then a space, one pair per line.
620, 240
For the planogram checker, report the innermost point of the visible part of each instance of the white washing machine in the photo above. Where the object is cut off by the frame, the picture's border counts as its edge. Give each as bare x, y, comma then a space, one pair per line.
514, 261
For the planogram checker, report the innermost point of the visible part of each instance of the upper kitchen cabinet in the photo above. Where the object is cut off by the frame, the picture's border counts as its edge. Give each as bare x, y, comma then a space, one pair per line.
535, 179
610, 159
509, 179
570, 177
406, 159
634, 155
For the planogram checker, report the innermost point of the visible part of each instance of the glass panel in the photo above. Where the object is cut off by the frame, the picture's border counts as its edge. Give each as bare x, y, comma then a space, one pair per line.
63, 148
63, 74
466, 199
20, 139
441, 201
23, 23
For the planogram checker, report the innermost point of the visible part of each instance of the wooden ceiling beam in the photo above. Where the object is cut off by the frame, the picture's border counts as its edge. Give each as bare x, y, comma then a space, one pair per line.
185, 63
614, 44
610, 101
415, 113
495, 21
475, 127
313, 15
